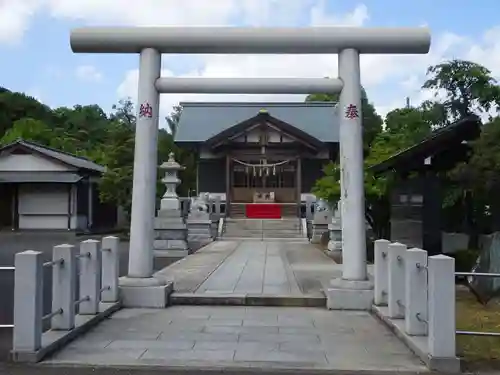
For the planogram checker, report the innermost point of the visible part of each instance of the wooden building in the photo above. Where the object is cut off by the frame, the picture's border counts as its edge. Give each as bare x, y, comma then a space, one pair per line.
43, 188
262, 158
416, 201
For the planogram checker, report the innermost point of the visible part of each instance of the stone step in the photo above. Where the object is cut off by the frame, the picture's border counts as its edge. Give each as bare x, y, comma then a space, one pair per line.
248, 300
267, 239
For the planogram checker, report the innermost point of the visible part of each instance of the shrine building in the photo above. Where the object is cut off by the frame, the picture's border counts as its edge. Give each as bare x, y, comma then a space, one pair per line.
261, 158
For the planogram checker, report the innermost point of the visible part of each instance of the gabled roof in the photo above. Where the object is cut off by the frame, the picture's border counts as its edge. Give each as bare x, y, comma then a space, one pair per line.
201, 121
465, 129
265, 118
60, 156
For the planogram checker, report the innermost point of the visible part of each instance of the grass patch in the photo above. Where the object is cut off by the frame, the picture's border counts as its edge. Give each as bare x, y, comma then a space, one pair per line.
472, 316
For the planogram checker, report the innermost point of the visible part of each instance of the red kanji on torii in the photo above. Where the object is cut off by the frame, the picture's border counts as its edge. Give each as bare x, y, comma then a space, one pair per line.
146, 110
351, 112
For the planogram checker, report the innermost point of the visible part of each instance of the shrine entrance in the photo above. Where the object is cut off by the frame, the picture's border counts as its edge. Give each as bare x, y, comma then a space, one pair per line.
264, 181
348, 43
263, 188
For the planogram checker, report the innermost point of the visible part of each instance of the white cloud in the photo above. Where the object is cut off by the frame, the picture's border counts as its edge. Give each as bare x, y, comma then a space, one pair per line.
15, 16
388, 79
320, 17
88, 73
144, 12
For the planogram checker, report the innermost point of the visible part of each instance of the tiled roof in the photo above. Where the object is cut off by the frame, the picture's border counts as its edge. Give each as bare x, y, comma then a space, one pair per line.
72, 160
200, 120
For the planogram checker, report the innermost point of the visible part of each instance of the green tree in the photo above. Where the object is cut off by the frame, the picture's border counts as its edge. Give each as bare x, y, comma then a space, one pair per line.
173, 119
411, 125
372, 122
403, 128
16, 106
468, 88
116, 151
29, 129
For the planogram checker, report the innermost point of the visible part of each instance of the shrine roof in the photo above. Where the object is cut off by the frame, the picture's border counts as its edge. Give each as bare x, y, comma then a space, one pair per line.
439, 141
201, 121
61, 156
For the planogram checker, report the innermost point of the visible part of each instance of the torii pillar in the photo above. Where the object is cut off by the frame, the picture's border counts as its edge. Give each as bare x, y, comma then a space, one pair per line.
353, 290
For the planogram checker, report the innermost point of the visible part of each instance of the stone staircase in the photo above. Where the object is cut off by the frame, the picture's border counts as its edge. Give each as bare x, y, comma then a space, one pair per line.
267, 229
237, 211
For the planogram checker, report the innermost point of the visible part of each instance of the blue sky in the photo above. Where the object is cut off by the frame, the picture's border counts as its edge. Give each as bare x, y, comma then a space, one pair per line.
35, 56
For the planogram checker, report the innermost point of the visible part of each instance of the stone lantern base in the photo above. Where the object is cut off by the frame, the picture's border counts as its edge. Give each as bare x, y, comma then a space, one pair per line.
170, 232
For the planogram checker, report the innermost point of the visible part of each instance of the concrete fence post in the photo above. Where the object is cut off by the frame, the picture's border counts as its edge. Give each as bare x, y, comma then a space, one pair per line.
381, 271
28, 301
110, 269
90, 277
416, 292
396, 287
64, 286
441, 313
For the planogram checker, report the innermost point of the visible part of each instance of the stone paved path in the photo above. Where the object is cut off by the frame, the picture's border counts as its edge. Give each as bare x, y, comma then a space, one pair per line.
253, 267
241, 338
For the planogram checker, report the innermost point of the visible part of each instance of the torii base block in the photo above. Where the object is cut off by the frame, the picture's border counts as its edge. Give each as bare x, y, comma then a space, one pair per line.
145, 292
349, 294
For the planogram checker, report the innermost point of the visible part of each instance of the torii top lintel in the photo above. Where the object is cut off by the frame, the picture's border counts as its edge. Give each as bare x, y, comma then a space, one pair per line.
232, 40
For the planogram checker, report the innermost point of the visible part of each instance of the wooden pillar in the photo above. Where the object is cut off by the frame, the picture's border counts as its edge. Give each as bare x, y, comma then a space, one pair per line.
299, 185
90, 207
431, 212
70, 202
228, 185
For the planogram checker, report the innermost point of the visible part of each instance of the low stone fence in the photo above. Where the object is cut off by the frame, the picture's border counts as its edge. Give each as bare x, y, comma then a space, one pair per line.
84, 292
415, 297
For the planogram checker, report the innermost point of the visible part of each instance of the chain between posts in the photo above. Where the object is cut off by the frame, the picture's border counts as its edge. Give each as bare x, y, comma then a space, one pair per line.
401, 304
421, 267
420, 319
58, 262
81, 300
104, 288
479, 274
52, 314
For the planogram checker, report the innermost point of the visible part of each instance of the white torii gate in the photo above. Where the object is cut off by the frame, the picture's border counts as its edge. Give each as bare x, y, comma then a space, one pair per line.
347, 42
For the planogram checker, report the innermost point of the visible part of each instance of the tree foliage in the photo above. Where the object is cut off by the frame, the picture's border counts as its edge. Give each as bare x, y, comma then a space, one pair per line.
88, 131
461, 88
468, 88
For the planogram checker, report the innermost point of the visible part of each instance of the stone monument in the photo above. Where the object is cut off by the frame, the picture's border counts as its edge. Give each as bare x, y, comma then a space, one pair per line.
170, 227
199, 223
322, 218
335, 228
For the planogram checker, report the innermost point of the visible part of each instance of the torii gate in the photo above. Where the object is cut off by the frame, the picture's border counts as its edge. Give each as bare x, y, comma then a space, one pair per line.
347, 42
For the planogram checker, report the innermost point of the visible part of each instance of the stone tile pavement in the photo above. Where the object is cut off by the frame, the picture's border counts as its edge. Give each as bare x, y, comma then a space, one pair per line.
202, 337
253, 267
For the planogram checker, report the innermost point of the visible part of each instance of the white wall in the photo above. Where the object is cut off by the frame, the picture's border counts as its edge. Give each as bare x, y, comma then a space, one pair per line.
29, 163
45, 206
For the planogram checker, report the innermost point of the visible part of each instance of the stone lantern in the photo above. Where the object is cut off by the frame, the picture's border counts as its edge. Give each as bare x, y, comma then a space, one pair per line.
170, 200
170, 226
